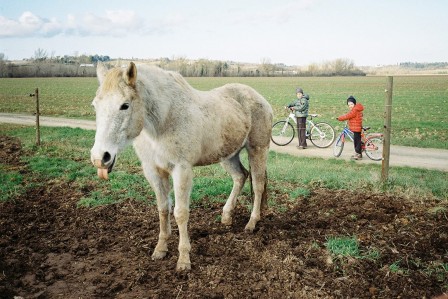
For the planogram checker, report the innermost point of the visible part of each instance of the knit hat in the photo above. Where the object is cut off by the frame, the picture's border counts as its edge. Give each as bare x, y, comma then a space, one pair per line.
351, 99
299, 90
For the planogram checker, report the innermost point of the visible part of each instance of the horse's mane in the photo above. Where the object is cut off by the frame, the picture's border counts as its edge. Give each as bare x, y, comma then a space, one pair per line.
152, 77
164, 78
113, 79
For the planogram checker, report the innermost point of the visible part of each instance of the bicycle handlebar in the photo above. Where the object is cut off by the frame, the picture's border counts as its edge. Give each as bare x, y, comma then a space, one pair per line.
290, 109
364, 128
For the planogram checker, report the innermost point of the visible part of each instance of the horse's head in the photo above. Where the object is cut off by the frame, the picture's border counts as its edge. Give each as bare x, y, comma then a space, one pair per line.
119, 115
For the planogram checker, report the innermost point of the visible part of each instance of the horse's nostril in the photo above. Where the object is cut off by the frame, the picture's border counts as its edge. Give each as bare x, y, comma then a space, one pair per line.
106, 157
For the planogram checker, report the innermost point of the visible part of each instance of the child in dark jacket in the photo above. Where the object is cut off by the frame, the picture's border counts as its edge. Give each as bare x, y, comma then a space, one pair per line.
354, 118
300, 107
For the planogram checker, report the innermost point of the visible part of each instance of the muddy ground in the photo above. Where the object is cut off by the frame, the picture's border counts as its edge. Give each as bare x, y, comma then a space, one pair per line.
50, 248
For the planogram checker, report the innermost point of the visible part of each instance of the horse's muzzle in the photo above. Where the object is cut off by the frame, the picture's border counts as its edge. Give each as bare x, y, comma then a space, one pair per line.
99, 164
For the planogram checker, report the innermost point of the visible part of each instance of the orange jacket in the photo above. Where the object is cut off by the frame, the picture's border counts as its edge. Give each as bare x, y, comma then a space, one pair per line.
354, 118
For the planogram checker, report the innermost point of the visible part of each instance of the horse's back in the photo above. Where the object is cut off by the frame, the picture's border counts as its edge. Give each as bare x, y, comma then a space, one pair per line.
254, 106
245, 95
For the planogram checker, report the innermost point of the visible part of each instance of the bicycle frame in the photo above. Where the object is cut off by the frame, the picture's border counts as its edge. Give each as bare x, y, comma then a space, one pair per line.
309, 123
369, 144
321, 134
347, 132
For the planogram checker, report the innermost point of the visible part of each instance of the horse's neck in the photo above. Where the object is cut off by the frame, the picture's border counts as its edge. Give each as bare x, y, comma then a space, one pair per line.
163, 100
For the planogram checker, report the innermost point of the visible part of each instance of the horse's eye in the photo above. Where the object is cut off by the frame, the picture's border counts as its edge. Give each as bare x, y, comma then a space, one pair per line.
125, 106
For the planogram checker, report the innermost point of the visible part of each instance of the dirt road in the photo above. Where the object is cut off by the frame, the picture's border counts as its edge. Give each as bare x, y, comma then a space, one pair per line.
399, 155
427, 158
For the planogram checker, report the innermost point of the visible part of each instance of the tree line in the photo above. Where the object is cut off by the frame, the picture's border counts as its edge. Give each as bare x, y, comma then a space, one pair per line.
426, 65
44, 65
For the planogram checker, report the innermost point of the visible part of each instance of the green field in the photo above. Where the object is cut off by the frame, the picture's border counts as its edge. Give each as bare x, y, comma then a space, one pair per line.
419, 108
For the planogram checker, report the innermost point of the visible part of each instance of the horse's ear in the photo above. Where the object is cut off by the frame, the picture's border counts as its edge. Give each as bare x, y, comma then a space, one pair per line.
131, 74
101, 71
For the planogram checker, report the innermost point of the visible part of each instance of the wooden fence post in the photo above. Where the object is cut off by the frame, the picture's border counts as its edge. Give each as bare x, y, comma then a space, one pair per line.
387, 129
36, 95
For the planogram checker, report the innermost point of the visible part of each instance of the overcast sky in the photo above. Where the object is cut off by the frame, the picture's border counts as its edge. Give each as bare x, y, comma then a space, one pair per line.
301, 32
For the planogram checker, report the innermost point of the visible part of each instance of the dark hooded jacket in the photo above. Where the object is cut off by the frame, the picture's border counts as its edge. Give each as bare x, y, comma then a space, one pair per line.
301, 106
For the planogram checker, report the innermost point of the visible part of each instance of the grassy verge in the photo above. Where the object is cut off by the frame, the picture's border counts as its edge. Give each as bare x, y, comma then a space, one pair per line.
64, 155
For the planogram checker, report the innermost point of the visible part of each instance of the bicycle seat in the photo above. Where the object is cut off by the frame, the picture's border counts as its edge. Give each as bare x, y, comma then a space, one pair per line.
365, 128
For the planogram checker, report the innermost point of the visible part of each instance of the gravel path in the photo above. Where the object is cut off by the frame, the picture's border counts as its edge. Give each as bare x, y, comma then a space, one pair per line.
427, 158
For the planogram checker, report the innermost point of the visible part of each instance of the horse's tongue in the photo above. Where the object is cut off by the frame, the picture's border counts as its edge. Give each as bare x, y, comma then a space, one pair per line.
103, 173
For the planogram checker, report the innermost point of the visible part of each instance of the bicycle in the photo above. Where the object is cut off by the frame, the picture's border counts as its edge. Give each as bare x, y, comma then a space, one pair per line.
320, 134
371, 144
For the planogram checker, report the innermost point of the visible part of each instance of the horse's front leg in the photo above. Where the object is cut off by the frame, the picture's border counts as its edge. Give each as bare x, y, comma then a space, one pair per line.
182, 182
160, 183
164, 208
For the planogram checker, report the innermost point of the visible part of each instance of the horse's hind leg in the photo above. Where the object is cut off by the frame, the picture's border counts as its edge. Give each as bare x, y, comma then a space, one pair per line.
258, 163
239, 175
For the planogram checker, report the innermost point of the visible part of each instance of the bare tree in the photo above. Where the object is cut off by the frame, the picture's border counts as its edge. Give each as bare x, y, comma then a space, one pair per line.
40, 55
3, 69
267, 67
342, 66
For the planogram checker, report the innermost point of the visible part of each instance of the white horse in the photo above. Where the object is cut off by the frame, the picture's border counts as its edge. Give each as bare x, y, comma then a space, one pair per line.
174, 127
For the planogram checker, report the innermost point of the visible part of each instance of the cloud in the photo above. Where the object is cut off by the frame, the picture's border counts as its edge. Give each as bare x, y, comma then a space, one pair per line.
28, 24
112, 23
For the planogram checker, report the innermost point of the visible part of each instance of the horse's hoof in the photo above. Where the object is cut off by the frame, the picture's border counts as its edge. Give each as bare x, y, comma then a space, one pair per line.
226, 220
158, 255
250, 226
249, 230
183, 267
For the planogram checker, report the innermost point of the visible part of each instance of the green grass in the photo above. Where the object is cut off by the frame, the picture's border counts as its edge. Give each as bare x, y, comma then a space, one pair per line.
10, 183
419, 107
123, 186
65, 155
286, 172
68, 97
396, 268
343, 246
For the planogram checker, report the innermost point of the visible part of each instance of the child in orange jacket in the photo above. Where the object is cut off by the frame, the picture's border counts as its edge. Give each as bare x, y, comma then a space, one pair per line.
354, 118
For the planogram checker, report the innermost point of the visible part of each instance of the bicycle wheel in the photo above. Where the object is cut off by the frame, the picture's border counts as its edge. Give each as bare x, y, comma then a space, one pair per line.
282, 133
322, 135
374, 148
339, 145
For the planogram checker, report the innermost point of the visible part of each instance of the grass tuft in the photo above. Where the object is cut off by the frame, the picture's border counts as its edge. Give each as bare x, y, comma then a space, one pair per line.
343, 246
